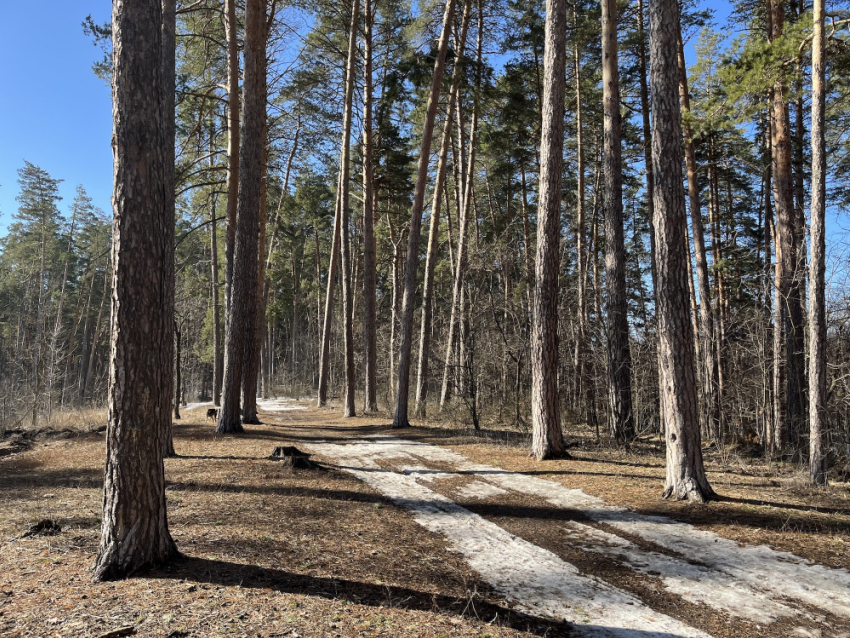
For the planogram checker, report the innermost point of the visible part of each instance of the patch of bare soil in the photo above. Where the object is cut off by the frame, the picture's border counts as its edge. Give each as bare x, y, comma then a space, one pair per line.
267, 550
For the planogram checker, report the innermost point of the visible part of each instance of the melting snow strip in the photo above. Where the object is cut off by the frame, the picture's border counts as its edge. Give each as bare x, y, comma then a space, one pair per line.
747, 570
537, 581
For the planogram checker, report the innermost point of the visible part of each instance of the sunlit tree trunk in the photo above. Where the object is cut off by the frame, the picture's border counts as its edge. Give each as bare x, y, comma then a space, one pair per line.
817, 267
686, 477
233, 134
134, 531
547, 437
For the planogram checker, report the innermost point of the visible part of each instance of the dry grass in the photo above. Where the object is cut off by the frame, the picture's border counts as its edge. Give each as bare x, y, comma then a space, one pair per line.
274, 552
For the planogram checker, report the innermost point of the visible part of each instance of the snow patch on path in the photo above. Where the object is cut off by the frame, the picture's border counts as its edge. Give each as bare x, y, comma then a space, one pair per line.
746, 572
534, 579
480, 490
278, 405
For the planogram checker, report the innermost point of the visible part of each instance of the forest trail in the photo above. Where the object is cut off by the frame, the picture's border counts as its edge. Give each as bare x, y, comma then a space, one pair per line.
749, 583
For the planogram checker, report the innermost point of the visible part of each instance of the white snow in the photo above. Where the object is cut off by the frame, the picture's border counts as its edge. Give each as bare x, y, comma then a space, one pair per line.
278, 405
534, 579
746, 581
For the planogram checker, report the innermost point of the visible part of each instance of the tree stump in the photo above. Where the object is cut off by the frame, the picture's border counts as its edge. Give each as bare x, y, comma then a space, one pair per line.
292, 457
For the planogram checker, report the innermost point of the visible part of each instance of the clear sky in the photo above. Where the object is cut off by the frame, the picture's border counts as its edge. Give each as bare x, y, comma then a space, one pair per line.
55, 113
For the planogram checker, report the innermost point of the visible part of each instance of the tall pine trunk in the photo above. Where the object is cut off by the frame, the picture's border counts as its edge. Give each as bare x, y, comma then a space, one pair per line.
686, 477
370, 345
242, 310
620, 416
233, 142
134, 531
817, 267
547, 437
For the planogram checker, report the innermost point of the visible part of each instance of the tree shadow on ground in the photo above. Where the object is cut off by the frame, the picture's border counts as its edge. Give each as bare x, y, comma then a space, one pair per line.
222, 573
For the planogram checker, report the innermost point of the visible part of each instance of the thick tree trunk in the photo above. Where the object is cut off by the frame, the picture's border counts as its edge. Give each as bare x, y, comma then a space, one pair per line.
620, 416
233, 134
710, 381
686, 477
242, 310
547, 437
255, 330
433, 232
400, 418
345, 233
817, 267
134, 532
370, 344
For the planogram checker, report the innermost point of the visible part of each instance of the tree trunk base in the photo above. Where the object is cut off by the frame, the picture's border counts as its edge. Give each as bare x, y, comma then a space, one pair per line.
689, 490
110, 565
225, 427
399, 425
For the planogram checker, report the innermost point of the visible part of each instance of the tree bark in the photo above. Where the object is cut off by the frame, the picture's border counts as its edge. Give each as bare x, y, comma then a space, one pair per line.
400, 418
817, 266
621, 419
256, 315
134, 532
370, 345
686, 477
547, 437
242, 310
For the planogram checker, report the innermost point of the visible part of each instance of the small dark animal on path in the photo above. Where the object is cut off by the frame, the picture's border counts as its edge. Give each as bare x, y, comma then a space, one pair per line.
212, 414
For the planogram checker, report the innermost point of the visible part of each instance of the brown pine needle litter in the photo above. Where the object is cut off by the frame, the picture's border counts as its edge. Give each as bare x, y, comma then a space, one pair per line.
274, 551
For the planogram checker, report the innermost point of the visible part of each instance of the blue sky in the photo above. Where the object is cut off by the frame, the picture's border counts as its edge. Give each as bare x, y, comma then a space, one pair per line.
55, 112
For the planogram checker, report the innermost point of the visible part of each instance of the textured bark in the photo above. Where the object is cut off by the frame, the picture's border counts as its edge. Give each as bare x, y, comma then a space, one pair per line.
256, 315
345, 244
233, 135
433, 232
685, 471
709, 377
134, 532
817, 266
788, 282
621, 421
400, 418
370, 347
547, 437
242, 310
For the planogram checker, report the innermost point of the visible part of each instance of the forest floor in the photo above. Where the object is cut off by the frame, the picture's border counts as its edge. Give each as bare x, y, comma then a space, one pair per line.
430, 531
